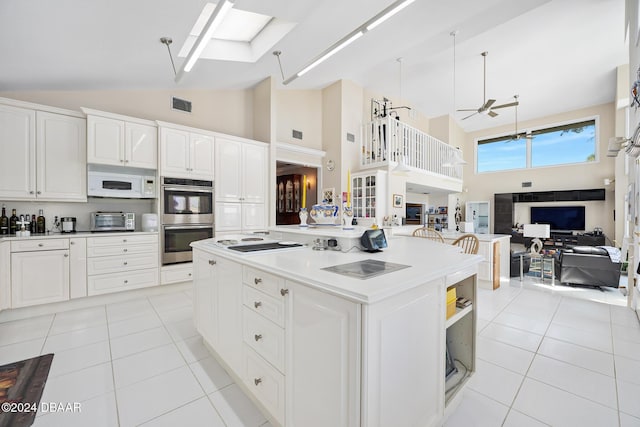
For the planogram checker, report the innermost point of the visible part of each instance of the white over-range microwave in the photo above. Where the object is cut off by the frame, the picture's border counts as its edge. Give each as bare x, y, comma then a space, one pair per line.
121, 185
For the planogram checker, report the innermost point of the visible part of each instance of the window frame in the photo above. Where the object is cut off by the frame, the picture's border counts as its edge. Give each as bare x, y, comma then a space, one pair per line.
534, 129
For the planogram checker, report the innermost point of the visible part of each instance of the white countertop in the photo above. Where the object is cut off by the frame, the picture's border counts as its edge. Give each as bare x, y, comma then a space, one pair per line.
76, 234
427, 260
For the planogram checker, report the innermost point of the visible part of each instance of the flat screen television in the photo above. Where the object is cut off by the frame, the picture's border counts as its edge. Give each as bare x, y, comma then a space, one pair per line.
560, 218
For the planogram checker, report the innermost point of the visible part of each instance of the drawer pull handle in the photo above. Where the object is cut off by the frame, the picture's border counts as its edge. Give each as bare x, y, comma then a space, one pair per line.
124, 240
40, 245
212, 262
257, 381
257, 337
126, 281
284, 292
125, 250
257, 304
30, 192
125, 263
257, 280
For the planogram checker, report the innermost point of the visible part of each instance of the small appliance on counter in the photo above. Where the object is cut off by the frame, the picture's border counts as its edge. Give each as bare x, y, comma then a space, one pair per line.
68, 224
113, 221
149, 222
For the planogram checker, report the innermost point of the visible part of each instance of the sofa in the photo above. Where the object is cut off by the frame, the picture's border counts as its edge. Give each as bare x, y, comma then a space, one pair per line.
587, 266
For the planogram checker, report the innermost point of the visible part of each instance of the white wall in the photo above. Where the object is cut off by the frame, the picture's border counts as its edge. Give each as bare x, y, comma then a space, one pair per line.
300, 110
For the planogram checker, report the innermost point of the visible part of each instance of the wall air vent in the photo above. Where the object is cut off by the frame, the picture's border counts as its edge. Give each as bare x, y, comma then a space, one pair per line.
526, 184
297, 134
180, 104
351, 137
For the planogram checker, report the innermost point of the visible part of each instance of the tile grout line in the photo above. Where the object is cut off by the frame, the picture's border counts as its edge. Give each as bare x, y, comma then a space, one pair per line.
113, 374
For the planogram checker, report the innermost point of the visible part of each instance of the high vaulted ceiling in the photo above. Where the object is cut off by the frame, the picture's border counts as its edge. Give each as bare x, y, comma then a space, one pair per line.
558, 55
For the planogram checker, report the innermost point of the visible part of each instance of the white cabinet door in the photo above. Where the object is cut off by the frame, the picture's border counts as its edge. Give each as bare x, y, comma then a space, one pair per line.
229, 170
228, 216
18, 159
39, 277
61, 157
141, 147
105, 141
254, 176
201, 157
324, 366
228, 278
204, 296
253, 216
174, 153
77, 267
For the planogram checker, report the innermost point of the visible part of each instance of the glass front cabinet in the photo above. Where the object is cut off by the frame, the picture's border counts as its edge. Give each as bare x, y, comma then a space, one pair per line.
369, 196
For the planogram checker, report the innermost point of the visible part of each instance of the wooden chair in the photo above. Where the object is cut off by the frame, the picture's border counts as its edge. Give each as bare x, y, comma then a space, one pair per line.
468, 242
428, 233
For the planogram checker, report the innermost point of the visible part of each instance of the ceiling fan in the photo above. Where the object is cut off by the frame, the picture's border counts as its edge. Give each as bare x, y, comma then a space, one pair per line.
487, 104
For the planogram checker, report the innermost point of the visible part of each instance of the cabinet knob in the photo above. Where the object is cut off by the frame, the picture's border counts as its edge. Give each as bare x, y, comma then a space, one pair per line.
257, 304
66, 255
39, 192
40, 245
124, 250
257, 337
189, 274
257, 280
126, 281
284, 292
30, 192
212, 262
72, 242
125, 263
257, 381
124, 240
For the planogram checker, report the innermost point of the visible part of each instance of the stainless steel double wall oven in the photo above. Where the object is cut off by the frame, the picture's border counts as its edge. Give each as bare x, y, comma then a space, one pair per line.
187, 207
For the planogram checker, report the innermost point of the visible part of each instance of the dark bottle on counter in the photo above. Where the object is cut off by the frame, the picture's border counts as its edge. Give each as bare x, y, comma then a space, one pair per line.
4, 221
13, 222
40, 223
34, 227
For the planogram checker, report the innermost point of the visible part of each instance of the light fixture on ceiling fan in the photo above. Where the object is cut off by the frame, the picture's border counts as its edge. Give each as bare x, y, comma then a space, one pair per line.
487, 104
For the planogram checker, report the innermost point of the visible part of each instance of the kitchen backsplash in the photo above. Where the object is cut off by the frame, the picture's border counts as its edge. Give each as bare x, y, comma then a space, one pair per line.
82, 211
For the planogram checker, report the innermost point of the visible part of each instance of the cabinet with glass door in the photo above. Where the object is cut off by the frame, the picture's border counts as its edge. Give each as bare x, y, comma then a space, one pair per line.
288, 199
369, 196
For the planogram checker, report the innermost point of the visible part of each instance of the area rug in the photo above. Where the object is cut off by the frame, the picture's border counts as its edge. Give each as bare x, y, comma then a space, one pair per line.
21, 386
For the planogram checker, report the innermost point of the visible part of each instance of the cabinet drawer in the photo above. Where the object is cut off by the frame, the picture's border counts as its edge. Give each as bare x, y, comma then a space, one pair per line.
266, 282
121, 249
176, 275
266, 383
39, 245
107, 283
116, 264
266, 338
270, 307
122, 240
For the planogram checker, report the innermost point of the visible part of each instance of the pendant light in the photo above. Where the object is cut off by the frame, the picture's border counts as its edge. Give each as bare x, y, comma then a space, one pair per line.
455, 159
401, 167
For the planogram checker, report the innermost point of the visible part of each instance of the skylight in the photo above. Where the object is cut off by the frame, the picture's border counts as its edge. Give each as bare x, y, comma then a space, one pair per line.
242, 35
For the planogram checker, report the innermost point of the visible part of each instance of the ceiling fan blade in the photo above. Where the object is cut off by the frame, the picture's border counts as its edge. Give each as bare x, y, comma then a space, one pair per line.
492, 113
511, 104
470, 115
468, 109
488, 104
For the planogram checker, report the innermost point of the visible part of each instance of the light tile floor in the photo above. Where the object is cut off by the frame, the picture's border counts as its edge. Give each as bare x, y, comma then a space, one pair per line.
546, 355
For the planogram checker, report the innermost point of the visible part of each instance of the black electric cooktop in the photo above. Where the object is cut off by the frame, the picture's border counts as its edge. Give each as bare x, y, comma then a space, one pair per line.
263, 247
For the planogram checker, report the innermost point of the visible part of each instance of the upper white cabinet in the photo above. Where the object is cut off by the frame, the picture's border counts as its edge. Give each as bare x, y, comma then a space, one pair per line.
241, 185
46, 155
186, 153
121, 141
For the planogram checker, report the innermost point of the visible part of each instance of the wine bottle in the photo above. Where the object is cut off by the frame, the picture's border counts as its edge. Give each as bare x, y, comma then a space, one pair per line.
13, 222
4, 221
40, 227
34, 228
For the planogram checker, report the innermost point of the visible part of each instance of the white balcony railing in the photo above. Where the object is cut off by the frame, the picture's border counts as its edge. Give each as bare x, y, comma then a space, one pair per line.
386, 140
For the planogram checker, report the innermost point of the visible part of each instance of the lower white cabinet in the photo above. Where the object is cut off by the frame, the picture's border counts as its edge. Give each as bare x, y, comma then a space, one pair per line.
176, 273
39, 277
77, 267
120, 263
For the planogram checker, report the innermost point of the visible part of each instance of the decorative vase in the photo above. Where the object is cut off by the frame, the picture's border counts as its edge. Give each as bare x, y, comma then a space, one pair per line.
347, 217
303, 217
324, 214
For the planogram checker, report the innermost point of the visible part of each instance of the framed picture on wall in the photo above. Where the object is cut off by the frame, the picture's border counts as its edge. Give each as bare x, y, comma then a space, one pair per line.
397, 200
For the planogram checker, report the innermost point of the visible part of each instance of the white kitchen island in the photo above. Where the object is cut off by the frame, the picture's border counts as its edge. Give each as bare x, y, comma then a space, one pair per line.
315, 348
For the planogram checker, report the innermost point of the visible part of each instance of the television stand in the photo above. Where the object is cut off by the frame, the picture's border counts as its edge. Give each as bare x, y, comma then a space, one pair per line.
563, 239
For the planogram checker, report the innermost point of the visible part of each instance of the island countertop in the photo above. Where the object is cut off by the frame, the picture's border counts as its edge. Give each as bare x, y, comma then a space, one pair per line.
427, 261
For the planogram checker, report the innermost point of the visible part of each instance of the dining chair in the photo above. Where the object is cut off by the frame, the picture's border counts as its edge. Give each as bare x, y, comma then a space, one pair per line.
468, 242
428, 233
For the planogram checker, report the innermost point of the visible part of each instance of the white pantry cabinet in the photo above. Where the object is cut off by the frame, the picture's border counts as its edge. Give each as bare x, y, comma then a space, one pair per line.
186, 153
241, 185
39, 272
121, 141
47, 158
